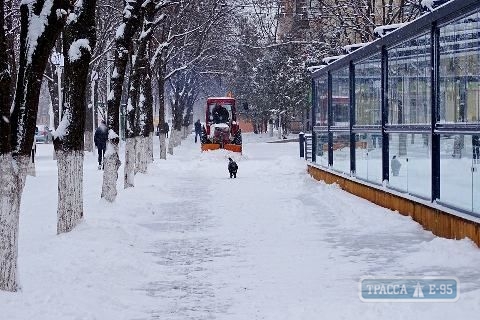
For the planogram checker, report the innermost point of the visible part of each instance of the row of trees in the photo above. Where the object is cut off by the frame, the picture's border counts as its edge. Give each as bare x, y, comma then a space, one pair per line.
154, 47
280, 39
147, 54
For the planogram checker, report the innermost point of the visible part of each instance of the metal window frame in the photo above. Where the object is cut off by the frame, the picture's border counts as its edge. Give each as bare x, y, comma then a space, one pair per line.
428, 23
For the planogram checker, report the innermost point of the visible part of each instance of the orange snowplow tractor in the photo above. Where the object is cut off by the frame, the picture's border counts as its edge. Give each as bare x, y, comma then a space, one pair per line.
233, 147
210, 146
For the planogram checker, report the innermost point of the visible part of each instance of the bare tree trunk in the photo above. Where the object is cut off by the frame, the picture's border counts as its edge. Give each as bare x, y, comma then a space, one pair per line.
163, 146
70, 190
142, 153
10, 5
140, 96
110, 175
123, 46
145, 121
150, 147
90, 113
171, 141
178, 138
149, 130
129, 169
11, 189
79, 41
89, 140
53, 90
35, 49
161, 114
9, 202
9, 217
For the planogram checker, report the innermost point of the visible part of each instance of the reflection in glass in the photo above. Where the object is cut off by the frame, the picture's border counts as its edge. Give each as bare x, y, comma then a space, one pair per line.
460, 70
322, 101
409, 72
341, 152
322, 148
341, 97
459, 171
368, 87
368, 156
410, 163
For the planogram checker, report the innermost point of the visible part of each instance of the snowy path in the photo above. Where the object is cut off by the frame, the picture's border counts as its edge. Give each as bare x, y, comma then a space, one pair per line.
189, 243
263, 247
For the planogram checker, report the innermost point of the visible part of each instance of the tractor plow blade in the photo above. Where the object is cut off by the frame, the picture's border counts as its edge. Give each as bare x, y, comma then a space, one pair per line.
210, 146
233, 147
216, 146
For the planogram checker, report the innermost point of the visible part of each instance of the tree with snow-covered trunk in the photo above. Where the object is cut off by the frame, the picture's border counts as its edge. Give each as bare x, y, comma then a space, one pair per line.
135, 149
91, 102
177, 117
8, 195
41, 22
159, 59
161, 114
52, 85
108, 15
123, 47
11, 23
52, 77
143, 124
149, 130
79, 41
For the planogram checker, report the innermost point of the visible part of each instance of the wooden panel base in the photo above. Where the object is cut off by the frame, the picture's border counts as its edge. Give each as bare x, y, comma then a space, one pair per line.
441, 223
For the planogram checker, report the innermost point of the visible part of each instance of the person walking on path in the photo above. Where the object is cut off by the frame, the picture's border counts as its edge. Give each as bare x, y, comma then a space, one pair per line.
166, 129
198, 129
100, 139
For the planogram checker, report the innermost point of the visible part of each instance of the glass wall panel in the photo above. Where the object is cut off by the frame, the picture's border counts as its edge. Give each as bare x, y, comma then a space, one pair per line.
322, 148
341, 97
322, 101
409, 89
368, 156
368, 87
410, 163
459, 171
341, 152
460, 70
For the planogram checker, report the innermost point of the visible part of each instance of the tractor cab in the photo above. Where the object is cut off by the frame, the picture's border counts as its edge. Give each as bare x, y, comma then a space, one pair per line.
221, 130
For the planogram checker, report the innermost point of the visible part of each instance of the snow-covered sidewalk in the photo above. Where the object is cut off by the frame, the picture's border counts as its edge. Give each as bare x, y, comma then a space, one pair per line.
189, 243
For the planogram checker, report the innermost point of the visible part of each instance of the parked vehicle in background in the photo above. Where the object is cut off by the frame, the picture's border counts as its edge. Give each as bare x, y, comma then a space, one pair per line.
43, 134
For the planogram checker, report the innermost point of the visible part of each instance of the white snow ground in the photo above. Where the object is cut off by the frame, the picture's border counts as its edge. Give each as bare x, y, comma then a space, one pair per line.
189, 243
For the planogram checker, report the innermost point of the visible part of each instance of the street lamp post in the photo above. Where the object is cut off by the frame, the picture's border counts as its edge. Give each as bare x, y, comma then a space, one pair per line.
57, 60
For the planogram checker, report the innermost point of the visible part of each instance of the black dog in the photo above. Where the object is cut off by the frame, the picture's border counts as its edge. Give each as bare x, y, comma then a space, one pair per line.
232, 168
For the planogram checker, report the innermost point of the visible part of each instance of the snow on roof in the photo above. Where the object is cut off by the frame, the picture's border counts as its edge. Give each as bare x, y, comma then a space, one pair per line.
382, 31
432, 4
331, 59
352, 47
315, 68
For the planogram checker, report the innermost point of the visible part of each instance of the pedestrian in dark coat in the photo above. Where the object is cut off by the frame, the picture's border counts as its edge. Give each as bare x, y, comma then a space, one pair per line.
395, 165
198, 130
166, 129
476, 148
100, 139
